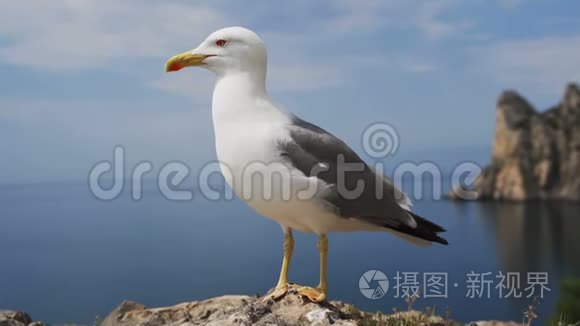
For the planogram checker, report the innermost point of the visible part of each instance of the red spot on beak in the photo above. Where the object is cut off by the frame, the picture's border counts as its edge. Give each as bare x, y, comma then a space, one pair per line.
174, 67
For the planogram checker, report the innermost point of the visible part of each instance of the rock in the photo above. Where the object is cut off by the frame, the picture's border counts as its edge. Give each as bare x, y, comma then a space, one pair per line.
494, 323
290, 310
535, 155
245, 310
228, 310
16, 318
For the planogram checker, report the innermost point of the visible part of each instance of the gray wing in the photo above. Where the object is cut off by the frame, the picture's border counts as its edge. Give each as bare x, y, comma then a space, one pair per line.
311, 148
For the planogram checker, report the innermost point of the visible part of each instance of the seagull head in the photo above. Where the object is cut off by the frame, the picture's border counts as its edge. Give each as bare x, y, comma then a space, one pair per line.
228, 50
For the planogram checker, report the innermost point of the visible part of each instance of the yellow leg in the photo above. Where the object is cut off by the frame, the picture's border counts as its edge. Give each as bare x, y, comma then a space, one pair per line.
323, 249
288, 250
282, 286
318, 294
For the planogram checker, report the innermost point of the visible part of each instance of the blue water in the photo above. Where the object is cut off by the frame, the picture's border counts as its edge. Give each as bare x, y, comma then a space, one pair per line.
66, 256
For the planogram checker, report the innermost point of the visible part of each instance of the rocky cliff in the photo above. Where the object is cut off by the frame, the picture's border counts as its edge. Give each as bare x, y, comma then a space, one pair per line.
536, 155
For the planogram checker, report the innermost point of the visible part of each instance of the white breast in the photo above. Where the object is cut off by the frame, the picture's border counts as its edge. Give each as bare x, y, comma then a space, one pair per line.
248, 130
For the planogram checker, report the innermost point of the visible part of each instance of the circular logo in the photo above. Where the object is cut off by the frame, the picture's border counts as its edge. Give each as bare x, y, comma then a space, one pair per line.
380, 140
373, 284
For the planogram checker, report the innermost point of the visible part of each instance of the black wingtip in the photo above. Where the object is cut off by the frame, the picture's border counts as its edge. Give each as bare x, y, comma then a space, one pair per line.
427, 230
426, 223
441, 241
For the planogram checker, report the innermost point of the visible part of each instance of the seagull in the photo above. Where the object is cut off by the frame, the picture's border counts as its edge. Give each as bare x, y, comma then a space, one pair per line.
307, 174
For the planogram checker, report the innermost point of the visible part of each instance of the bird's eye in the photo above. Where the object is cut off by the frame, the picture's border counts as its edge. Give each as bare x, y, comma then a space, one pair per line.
221, 42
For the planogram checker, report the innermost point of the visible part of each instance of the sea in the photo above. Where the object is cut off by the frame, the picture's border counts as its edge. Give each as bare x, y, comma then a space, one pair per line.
67, 256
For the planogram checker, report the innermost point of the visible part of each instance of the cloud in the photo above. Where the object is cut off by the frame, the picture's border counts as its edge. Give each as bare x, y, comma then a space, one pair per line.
419, 67
357, 16
304, 78
401, 62
149, 127
510, 4
193, 84
543, 64
426, 17
86, 34
429, 19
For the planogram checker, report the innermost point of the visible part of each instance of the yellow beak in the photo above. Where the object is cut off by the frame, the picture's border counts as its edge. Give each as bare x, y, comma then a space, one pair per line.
185, 59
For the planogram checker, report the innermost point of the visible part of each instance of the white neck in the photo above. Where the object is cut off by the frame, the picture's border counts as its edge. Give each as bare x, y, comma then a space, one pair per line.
235, 93
244, 118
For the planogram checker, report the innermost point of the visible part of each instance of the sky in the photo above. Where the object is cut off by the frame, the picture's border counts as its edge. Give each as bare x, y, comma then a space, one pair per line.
78, 77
